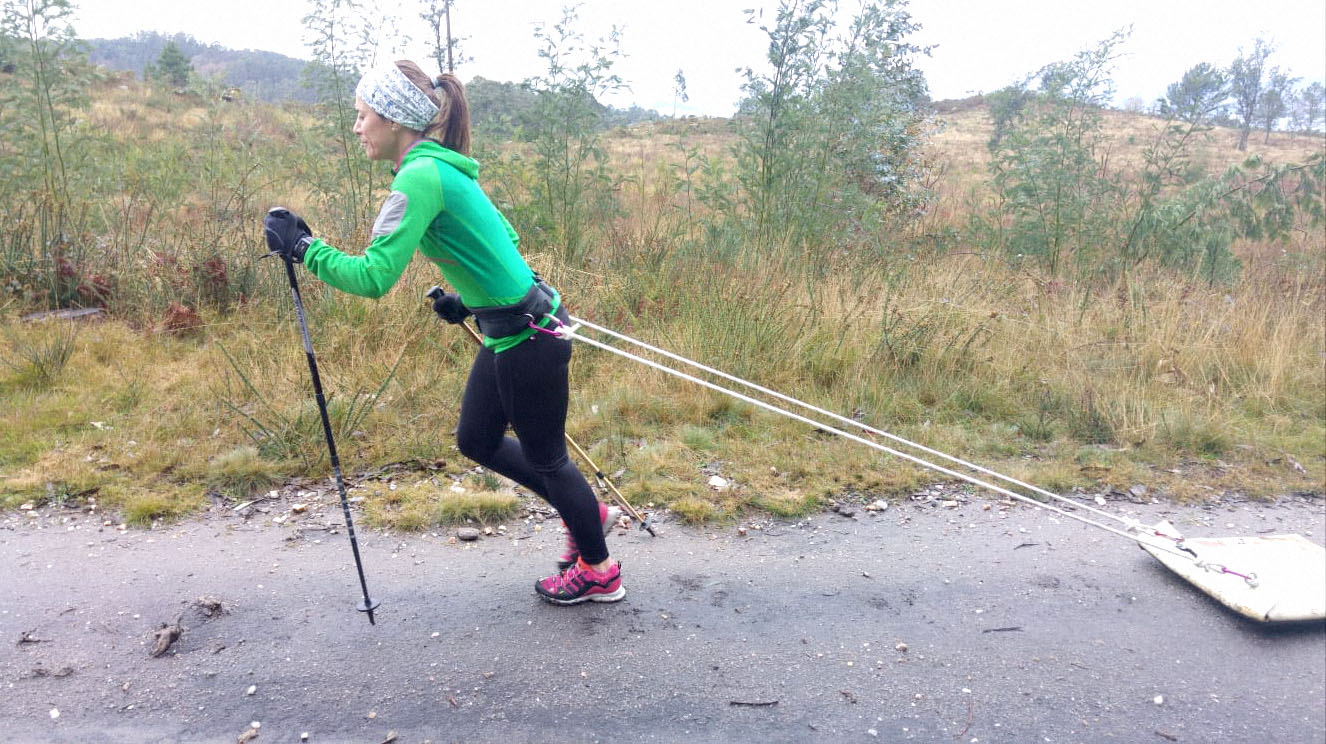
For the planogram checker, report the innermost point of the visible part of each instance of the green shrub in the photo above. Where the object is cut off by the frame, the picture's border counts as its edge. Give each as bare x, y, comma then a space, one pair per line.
241, 473
38, 357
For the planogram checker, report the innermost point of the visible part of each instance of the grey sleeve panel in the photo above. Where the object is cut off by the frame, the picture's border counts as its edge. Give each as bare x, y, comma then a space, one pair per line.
391, 214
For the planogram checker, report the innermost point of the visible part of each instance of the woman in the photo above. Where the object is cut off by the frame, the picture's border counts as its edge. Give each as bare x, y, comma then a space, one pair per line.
519, 377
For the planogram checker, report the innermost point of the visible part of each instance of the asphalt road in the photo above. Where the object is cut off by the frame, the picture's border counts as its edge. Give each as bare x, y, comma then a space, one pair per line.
980, 623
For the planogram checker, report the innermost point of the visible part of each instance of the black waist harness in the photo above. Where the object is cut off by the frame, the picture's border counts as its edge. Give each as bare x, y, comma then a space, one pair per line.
500, 321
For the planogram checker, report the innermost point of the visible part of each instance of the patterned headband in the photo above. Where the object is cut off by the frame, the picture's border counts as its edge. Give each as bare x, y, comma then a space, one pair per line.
387, 91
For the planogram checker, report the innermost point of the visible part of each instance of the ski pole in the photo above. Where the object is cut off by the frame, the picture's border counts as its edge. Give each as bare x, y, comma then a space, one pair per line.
645, 521
368, 605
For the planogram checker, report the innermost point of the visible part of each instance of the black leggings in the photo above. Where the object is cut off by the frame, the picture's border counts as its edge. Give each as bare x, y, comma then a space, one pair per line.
526, 387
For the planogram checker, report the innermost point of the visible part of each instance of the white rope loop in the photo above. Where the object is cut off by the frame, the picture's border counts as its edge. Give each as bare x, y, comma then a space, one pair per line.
1128, 523
573, 332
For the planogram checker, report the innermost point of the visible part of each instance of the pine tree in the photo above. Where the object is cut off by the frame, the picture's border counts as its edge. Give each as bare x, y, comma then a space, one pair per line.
1196, 97
173, 66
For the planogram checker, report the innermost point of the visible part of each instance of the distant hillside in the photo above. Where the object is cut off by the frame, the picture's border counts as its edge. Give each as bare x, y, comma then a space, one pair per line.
495, 107
266, 76
503, 109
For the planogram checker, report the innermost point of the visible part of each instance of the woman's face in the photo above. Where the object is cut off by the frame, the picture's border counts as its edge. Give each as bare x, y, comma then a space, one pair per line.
382, 140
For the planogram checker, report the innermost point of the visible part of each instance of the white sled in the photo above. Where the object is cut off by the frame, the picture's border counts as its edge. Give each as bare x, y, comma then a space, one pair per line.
1288, 574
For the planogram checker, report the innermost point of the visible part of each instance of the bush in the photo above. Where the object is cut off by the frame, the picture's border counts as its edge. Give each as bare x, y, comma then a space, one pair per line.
38, 357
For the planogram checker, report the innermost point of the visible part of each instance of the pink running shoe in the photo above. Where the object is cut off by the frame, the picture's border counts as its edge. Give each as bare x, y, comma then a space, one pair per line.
608, 515
580, 583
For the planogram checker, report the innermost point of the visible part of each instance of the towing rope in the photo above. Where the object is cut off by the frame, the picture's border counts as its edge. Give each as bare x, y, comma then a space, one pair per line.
1136, 531
1130, 524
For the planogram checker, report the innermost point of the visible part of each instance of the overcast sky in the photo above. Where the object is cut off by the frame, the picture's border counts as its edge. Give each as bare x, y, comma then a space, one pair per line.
980, 45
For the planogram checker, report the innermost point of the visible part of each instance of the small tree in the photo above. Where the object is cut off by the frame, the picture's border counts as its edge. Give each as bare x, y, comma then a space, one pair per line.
1050, 188
830, 131
572, 183
446, 48
1275, 100
1247, 80
50, 83
7, 44
678, 91
173, 66
1006, 106
1188, 106
341, 37
1309, 105
1197, 96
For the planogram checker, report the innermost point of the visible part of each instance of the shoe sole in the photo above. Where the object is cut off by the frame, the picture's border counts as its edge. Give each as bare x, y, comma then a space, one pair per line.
611, 597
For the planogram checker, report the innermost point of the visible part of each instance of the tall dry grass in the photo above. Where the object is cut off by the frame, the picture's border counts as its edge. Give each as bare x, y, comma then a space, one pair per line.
959, 149
1156, 378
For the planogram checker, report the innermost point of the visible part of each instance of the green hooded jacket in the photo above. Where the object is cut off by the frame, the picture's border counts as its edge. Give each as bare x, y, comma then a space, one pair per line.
436, 207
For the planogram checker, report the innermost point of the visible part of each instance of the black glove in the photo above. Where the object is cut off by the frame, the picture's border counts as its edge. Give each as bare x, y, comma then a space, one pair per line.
288, 235
448, 306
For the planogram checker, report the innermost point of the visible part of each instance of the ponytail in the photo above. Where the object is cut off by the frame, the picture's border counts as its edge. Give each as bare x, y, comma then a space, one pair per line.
451, 127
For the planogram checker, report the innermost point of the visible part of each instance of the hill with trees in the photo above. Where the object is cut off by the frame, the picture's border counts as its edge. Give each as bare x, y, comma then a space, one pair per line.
495, 106
265, 76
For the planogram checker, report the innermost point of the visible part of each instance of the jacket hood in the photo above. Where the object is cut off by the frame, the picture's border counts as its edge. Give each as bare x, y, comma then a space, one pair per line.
430, 149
